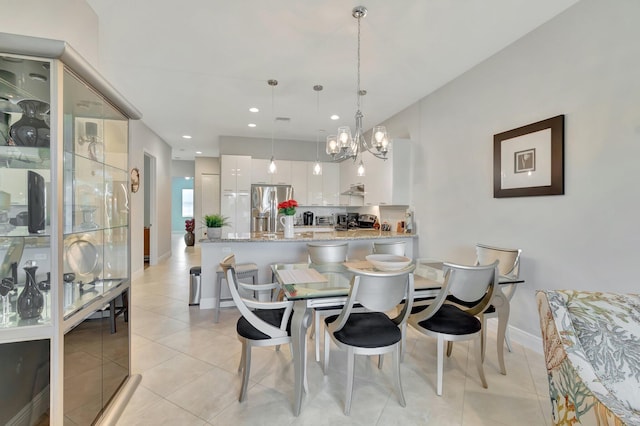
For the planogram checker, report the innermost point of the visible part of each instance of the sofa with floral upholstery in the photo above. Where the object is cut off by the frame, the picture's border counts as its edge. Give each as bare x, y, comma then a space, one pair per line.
592, 352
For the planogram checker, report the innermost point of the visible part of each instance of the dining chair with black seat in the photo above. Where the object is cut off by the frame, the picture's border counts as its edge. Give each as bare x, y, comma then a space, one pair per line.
451, 322
322, 253
261, 323
509, 266
371, 332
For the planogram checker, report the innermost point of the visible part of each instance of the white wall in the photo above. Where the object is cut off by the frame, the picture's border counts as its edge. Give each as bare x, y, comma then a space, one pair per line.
144, 141
584, 64
73, 21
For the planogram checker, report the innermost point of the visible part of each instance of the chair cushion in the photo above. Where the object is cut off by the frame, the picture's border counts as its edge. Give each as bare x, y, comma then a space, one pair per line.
457, 301
367, 330
271, 316
450, 319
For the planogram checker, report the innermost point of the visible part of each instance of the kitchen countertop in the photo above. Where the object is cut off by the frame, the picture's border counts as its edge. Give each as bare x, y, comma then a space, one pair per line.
312, 235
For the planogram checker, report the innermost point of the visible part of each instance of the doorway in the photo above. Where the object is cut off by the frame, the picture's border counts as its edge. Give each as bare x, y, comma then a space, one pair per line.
150, 245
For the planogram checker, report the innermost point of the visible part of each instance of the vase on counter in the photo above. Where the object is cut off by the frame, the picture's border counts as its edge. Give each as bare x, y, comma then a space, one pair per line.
287, 223
214, 233
30, 300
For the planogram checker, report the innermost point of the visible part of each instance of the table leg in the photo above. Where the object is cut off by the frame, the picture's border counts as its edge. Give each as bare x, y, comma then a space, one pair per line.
501, 304
299, 324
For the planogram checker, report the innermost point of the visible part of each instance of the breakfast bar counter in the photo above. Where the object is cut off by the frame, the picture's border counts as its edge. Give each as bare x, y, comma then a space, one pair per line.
265, 249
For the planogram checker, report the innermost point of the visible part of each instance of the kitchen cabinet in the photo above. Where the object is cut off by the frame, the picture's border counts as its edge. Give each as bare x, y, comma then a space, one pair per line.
299, 181
64, 233
261, 175
330, 184
386, 182
259, 171
235, 182
349, 179
315, 194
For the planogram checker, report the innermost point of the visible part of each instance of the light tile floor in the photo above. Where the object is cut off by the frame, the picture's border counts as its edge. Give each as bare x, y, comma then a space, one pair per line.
189, 372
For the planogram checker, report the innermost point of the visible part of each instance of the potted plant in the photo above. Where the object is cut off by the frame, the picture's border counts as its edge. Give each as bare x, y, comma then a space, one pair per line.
189, 237
214, 224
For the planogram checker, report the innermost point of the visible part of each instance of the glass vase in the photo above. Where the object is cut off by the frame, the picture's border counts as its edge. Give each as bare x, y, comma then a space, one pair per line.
30, 300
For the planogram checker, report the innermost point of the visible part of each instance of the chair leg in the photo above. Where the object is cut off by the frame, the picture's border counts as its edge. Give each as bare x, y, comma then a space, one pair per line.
483, 338
403, 341
440, 351
351, 361
478, 349
327, 351
507, 339
396, 363
247, 369
241, 365
317, 327
217, 291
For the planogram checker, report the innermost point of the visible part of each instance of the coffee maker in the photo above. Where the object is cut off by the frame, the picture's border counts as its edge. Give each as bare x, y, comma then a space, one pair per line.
307, 218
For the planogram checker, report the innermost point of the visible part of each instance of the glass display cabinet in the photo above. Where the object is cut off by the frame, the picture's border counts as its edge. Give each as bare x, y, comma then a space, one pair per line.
64, 237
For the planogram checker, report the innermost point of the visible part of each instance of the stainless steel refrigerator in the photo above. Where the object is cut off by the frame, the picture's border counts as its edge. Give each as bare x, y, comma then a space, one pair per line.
264, 206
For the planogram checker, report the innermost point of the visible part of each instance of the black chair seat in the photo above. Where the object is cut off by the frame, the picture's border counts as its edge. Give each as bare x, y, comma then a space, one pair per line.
271, 316
452, 320
335, 308
367, 330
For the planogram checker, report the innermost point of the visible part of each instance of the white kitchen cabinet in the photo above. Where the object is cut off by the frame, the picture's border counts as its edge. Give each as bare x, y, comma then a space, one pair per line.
260, 172
348, 179
388, 182
299, 181
314, 186
235, 181
330, 184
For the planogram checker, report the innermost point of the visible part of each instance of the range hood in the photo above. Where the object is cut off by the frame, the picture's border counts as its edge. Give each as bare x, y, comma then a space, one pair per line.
354, 190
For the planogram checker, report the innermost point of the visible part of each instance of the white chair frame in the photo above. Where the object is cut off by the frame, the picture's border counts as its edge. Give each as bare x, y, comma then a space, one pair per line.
377, 292
509, 266
277, 335
469, 284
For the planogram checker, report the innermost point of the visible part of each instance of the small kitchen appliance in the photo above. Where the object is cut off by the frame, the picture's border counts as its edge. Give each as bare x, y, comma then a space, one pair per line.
366, 220
308, 218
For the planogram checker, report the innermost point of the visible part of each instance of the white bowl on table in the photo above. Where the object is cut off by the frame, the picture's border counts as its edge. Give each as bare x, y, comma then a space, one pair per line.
388, 262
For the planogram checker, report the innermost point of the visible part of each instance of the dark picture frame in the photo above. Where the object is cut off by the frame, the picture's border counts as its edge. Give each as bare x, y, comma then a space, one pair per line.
529, 161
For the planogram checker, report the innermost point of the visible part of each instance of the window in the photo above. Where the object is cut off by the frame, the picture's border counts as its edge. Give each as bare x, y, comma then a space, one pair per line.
187, 203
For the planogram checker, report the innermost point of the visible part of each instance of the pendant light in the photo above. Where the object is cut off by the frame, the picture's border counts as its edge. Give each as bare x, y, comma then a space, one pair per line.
272, 164
344, 145
317, 168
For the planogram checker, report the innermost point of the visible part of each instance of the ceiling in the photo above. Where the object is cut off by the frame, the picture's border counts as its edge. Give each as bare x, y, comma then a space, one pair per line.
195, 67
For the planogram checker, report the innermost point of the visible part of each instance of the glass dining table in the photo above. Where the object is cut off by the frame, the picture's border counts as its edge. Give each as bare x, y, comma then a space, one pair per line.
312, 286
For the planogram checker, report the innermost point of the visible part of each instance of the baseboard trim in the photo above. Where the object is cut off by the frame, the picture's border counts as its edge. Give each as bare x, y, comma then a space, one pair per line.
518, 336
33, 410
119, 402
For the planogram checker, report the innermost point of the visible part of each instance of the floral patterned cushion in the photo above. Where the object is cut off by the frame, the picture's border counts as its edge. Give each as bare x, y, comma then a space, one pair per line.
592, 350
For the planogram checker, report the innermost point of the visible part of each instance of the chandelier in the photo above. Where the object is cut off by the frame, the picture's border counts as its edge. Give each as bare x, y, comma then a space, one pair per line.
345, 146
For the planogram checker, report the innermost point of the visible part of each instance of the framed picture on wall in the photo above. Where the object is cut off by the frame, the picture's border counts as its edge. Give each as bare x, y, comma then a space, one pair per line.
529, 160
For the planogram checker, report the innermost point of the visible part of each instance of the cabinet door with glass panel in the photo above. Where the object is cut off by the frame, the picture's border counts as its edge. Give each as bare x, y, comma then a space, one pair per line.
25, 176
95, 195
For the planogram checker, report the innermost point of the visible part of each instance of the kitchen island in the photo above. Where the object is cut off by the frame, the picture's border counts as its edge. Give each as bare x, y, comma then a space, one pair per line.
264, 249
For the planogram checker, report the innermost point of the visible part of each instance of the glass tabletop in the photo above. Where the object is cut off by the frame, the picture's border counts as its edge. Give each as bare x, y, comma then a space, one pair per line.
308, 280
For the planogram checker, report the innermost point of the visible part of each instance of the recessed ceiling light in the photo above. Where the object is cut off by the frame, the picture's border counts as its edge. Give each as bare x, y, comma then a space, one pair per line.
335, 117
186, 137
254, 109
198, 152
252, 125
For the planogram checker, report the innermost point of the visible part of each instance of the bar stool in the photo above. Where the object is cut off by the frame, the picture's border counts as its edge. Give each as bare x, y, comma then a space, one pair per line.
389, 247
243, 270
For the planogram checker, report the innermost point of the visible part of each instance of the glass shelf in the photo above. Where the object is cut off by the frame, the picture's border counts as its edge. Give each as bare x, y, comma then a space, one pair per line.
24, 157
